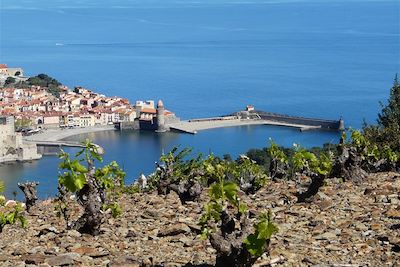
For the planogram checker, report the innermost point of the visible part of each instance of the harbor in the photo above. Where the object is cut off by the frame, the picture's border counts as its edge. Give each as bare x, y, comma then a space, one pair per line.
159, 122
193, 126
150, 118
257, 118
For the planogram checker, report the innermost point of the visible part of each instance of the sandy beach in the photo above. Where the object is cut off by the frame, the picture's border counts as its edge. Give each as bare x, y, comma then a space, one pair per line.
60, 134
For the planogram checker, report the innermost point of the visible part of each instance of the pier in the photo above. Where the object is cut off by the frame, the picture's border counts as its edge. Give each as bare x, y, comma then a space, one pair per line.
61, 144
244, 118
54, 138
56, 143
193, 127
160, 120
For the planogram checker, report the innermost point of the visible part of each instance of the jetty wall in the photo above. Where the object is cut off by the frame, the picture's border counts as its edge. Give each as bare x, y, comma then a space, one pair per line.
324, 124
240, 118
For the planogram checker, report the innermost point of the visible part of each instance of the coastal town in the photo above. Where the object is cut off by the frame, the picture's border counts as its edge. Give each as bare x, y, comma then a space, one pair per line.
38, 107
41, 105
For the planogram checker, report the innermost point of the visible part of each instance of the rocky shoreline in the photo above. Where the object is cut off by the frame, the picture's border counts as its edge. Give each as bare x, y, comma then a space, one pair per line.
344, 225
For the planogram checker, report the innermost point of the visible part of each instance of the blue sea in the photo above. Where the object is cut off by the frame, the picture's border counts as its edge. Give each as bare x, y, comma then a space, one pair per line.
322, 59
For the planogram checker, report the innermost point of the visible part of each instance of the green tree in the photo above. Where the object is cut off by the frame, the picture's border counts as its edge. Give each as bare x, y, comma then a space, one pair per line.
44, 80
387, 131
390, 114
10, 80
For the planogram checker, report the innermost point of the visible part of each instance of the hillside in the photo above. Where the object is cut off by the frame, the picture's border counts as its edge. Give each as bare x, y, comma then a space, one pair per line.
344, 225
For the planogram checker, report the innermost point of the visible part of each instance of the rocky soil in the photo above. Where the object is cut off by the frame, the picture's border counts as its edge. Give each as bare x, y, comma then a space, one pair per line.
344, 225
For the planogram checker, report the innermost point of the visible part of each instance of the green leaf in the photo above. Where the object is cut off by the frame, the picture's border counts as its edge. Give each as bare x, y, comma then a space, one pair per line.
95, 155
216, 191
23, 221
72, 182
76, 166
2, 187
11, 217
79, 152
215, 211
242, 208
115, 209
63, 154
254, 245
266, 229
277, 153
80, 181
230, 190
63, 165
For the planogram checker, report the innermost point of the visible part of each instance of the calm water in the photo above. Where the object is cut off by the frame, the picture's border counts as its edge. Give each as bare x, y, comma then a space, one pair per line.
311, 58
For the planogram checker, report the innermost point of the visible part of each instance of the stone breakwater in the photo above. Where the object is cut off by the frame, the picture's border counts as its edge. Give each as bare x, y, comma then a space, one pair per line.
60, 134
344, 225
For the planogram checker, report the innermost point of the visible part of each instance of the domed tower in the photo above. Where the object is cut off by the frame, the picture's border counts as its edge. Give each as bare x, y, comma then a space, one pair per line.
160, 117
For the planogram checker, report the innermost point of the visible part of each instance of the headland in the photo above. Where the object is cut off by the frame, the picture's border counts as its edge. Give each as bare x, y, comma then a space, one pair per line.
343, 226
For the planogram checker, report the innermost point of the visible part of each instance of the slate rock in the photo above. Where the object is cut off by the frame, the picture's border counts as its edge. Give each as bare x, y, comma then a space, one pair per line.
176, 229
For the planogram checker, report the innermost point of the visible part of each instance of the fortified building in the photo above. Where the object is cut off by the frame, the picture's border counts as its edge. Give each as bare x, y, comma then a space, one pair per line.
12, 148
16, 73
150, 117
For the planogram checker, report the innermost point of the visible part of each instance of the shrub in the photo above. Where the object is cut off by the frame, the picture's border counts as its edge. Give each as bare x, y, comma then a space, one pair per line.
278, 167
95, 189
179, 175
257, 243
226, 224
10, 214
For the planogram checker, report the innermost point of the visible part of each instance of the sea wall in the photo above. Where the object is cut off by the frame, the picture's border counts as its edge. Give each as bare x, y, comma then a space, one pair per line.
147, 125
12, 147
128, 125
324, 124
24, 152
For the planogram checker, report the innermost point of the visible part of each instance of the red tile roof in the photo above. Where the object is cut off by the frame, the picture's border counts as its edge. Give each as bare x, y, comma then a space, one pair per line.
149, 110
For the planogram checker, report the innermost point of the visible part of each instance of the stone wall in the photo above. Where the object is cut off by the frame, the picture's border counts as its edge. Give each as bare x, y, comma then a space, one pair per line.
148, 125
12, 147
15, 72
325, 124
171, 119
129, 125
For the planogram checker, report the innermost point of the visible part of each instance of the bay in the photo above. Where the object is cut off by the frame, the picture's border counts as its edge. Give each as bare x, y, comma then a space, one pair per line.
308, 58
